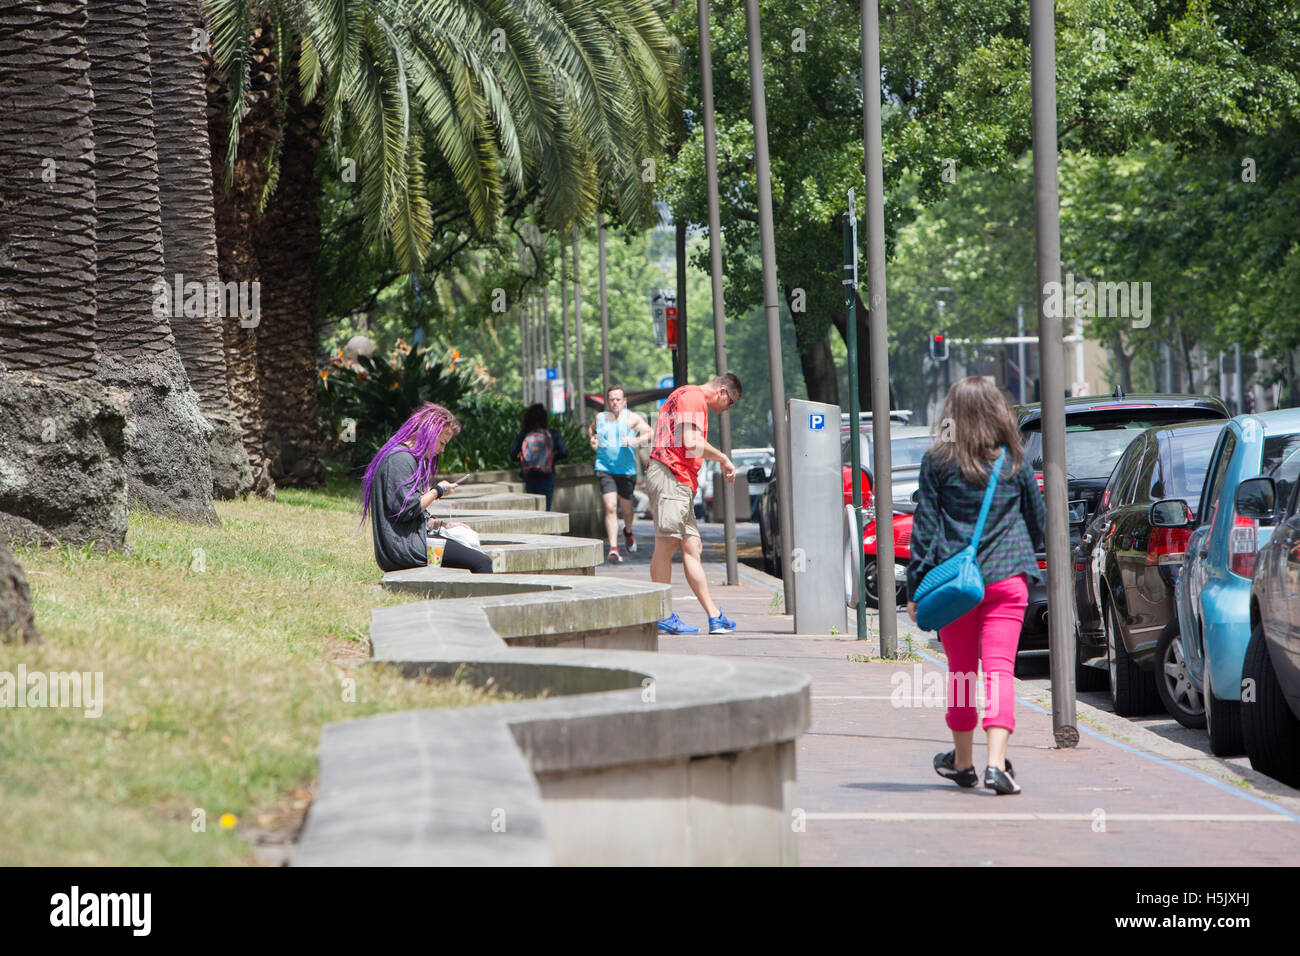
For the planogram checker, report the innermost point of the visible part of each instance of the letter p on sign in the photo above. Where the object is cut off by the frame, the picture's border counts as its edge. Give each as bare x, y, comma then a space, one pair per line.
816, 422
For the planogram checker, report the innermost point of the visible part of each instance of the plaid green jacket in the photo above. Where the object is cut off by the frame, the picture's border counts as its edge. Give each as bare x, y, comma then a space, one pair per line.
946, 511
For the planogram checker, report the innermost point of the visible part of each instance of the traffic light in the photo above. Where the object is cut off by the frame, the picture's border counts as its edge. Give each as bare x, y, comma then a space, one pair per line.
939, 347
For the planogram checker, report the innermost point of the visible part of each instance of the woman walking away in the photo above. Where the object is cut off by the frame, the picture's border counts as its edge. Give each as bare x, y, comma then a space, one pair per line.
537, 449
978, 445
401, 482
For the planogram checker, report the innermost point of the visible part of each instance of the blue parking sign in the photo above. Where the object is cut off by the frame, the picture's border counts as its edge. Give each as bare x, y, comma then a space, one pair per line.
817, 422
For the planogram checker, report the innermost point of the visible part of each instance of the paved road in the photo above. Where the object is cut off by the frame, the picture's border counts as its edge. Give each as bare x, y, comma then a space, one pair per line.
1132, 792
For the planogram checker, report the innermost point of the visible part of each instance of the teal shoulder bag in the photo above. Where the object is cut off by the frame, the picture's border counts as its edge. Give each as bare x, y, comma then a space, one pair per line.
954, 587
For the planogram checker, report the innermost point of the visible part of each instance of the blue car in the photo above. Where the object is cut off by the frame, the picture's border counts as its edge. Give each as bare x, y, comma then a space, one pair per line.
1213, 592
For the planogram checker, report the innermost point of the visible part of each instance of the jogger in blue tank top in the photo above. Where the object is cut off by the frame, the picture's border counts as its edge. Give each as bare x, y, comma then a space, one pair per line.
614, 434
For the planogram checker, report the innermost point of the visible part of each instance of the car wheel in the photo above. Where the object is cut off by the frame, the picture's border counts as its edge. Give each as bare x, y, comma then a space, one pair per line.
872, 592
1223, 720
1269, 730
1180, 696
1087, 678
1132, 690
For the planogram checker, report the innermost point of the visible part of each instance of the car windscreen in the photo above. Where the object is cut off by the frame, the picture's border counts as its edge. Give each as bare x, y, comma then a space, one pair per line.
1189, 459
1092, 449
904, 452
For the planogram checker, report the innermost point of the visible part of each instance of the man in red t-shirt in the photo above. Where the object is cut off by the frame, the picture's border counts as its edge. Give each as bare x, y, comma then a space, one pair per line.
680, 446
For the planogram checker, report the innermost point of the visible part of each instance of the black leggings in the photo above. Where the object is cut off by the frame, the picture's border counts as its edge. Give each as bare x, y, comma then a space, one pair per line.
457, 555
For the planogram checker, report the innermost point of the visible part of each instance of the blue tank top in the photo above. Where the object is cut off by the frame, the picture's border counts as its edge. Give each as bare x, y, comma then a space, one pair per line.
611, 454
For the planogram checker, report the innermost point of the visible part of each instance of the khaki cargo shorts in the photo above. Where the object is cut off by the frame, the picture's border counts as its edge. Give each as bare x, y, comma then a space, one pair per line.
671, 503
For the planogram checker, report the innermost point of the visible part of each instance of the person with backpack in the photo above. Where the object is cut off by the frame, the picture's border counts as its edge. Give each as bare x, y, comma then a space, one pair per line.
537, 448
614, 434
976, 489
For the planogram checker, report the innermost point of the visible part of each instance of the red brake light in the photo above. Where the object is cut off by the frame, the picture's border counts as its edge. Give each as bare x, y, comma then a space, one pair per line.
1042, 564
1094, 408
1039, 476
1167, 546
1242, 546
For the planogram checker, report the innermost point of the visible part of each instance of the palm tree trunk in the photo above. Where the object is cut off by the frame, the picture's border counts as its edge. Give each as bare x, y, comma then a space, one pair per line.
47, 200
189, 230
235, 211
167, 463
288, 243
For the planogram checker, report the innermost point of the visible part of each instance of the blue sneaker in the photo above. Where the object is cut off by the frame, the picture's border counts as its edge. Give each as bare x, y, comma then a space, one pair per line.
721, 624
675, 625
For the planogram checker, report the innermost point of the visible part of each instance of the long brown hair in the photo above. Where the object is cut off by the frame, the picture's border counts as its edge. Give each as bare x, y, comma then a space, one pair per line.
976, 422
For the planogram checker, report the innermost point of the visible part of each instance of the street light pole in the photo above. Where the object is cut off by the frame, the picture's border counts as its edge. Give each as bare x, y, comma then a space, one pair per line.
715, 271
1051, 357
604, 304
581, 386
877, 330
564, 315
771, 308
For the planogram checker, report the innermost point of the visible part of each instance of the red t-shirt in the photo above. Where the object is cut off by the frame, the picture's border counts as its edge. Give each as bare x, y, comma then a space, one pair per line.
683, 406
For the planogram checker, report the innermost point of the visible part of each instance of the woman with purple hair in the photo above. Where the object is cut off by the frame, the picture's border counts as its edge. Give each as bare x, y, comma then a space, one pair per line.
400, 483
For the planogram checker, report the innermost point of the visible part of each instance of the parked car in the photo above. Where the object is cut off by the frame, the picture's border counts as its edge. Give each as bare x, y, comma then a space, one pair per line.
1214, 593
1129, 570
907, 446
1098, 430
744, 459
770, 537
1270, 714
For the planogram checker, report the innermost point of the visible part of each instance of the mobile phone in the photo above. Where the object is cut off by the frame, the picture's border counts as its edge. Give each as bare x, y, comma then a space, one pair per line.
462, 478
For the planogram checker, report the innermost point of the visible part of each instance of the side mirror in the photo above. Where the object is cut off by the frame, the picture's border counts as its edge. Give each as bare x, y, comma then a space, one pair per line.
1170, 513
756, 475
1078, 511
1256, 498
916, 496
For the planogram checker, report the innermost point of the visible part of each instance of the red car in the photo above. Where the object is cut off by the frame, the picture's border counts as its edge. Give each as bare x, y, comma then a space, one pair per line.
902, 541
771, 542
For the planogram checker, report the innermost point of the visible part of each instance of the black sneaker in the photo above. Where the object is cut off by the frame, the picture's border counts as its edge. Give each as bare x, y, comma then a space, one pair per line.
1002, 781
945, 765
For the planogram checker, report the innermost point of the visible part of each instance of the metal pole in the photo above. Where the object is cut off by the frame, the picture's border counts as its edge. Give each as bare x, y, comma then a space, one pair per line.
1051, 357
855, 401
604, 305
564, 315
580, 387
1020, 331
681, 370
771, 308
877, 330
1238, 392
715, 271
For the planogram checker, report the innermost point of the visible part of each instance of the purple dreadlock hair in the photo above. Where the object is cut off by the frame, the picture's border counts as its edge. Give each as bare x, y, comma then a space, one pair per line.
422, 429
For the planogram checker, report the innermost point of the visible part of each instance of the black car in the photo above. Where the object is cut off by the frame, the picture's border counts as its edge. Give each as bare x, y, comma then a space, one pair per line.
1129, 571
1097, 432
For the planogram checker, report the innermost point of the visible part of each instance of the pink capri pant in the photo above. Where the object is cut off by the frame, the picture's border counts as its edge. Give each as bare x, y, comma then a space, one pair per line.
989, 633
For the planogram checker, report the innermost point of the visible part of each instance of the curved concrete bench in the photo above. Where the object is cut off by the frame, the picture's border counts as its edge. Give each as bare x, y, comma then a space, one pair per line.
653, 758
631, 757
501, 521
543, 554
534, 610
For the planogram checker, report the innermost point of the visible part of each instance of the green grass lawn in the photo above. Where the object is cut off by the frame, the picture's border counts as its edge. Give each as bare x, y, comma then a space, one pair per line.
223, 652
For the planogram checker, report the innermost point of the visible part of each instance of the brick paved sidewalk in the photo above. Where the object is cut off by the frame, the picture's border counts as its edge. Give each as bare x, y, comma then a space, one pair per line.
1123, 797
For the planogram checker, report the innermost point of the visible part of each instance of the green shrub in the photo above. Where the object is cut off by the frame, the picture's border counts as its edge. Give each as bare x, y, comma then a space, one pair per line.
381, 393
489, 425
